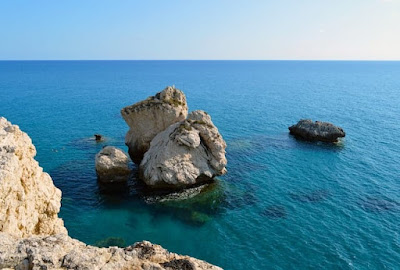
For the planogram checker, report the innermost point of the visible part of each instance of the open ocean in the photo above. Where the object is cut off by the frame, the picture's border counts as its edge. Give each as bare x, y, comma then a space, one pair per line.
284, 203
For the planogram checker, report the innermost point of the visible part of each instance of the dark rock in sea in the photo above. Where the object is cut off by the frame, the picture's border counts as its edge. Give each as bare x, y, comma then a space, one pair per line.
314, 196
98, 137
111, 242
317, 131
378, 204
275, 211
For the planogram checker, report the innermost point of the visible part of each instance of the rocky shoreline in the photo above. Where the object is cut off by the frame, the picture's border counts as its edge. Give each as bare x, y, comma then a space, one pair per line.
32, 236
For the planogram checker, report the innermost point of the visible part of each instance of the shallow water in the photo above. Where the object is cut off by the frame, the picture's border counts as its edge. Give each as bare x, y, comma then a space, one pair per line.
284, 204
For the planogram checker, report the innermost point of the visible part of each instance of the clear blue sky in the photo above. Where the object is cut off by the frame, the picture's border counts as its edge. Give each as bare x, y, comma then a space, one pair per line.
202, 29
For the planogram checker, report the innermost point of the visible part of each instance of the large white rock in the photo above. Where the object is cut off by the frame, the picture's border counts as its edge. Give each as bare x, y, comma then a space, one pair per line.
149, 117
112, 165
29, 201
186, 153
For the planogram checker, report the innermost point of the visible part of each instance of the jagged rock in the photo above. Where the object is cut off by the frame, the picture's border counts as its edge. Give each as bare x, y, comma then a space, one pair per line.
317, 131
33, 237
112, 165
186, 153
149, 117
62, 252
29, 202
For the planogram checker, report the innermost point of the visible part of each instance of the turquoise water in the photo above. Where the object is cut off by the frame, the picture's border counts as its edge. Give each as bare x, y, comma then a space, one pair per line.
284, 204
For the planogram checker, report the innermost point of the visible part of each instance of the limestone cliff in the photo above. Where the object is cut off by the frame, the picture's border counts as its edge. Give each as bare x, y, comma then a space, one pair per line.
29, 202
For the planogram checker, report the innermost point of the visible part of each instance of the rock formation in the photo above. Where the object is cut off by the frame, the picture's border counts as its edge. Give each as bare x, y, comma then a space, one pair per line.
317, 131
186, 153
112, 165
29, 202
33, 237
149, 117
62, 252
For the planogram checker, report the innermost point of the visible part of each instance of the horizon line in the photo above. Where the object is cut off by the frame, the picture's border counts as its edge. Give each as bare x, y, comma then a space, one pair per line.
299, 60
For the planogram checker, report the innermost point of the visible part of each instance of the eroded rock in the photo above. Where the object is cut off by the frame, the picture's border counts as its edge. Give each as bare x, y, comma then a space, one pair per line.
149, 117
112, 165
186, 153
29, 201
62, 252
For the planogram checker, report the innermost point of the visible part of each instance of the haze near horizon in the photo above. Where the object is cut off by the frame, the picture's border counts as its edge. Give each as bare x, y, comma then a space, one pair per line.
206, 30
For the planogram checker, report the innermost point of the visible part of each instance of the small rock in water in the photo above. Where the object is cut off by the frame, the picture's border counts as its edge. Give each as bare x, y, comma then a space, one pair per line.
98, 137
275, 211
315, 196
316, 131
378, 204
112, 165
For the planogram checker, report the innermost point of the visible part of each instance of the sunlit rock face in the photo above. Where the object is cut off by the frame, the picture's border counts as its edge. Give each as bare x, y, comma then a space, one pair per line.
186, 153
29, 201
112, 165
149, 117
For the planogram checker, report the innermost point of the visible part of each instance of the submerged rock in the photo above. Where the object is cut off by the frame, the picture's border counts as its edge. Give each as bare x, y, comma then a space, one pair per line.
317, 131
309, 197
112, 165
111, 242
378, 204
186, 153
149, 117
29, 201
275, 211
33, 237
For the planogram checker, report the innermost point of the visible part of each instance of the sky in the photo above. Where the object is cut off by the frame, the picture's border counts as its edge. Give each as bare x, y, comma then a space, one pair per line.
200, 29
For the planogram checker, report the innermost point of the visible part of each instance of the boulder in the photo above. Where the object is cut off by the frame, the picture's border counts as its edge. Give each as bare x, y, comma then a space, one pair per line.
29, 201
149, 117
186, 153
112, 165
317, 131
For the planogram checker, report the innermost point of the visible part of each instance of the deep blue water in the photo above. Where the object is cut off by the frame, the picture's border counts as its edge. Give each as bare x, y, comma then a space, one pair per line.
284, 204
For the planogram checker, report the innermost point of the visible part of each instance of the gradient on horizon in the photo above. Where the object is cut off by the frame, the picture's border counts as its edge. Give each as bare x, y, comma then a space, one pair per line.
177, 29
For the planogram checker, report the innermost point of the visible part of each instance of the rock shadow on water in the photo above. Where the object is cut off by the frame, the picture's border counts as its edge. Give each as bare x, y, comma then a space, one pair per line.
194, 206
199, 205
275, 212
311, 197
301, 143
378, 204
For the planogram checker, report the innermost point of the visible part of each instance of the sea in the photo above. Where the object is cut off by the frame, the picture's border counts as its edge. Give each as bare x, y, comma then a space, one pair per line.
283, 204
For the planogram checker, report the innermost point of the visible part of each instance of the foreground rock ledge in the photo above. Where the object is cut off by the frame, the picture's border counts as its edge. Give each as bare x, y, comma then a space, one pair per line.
62, 252
317, 131
149, 117
33, 237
